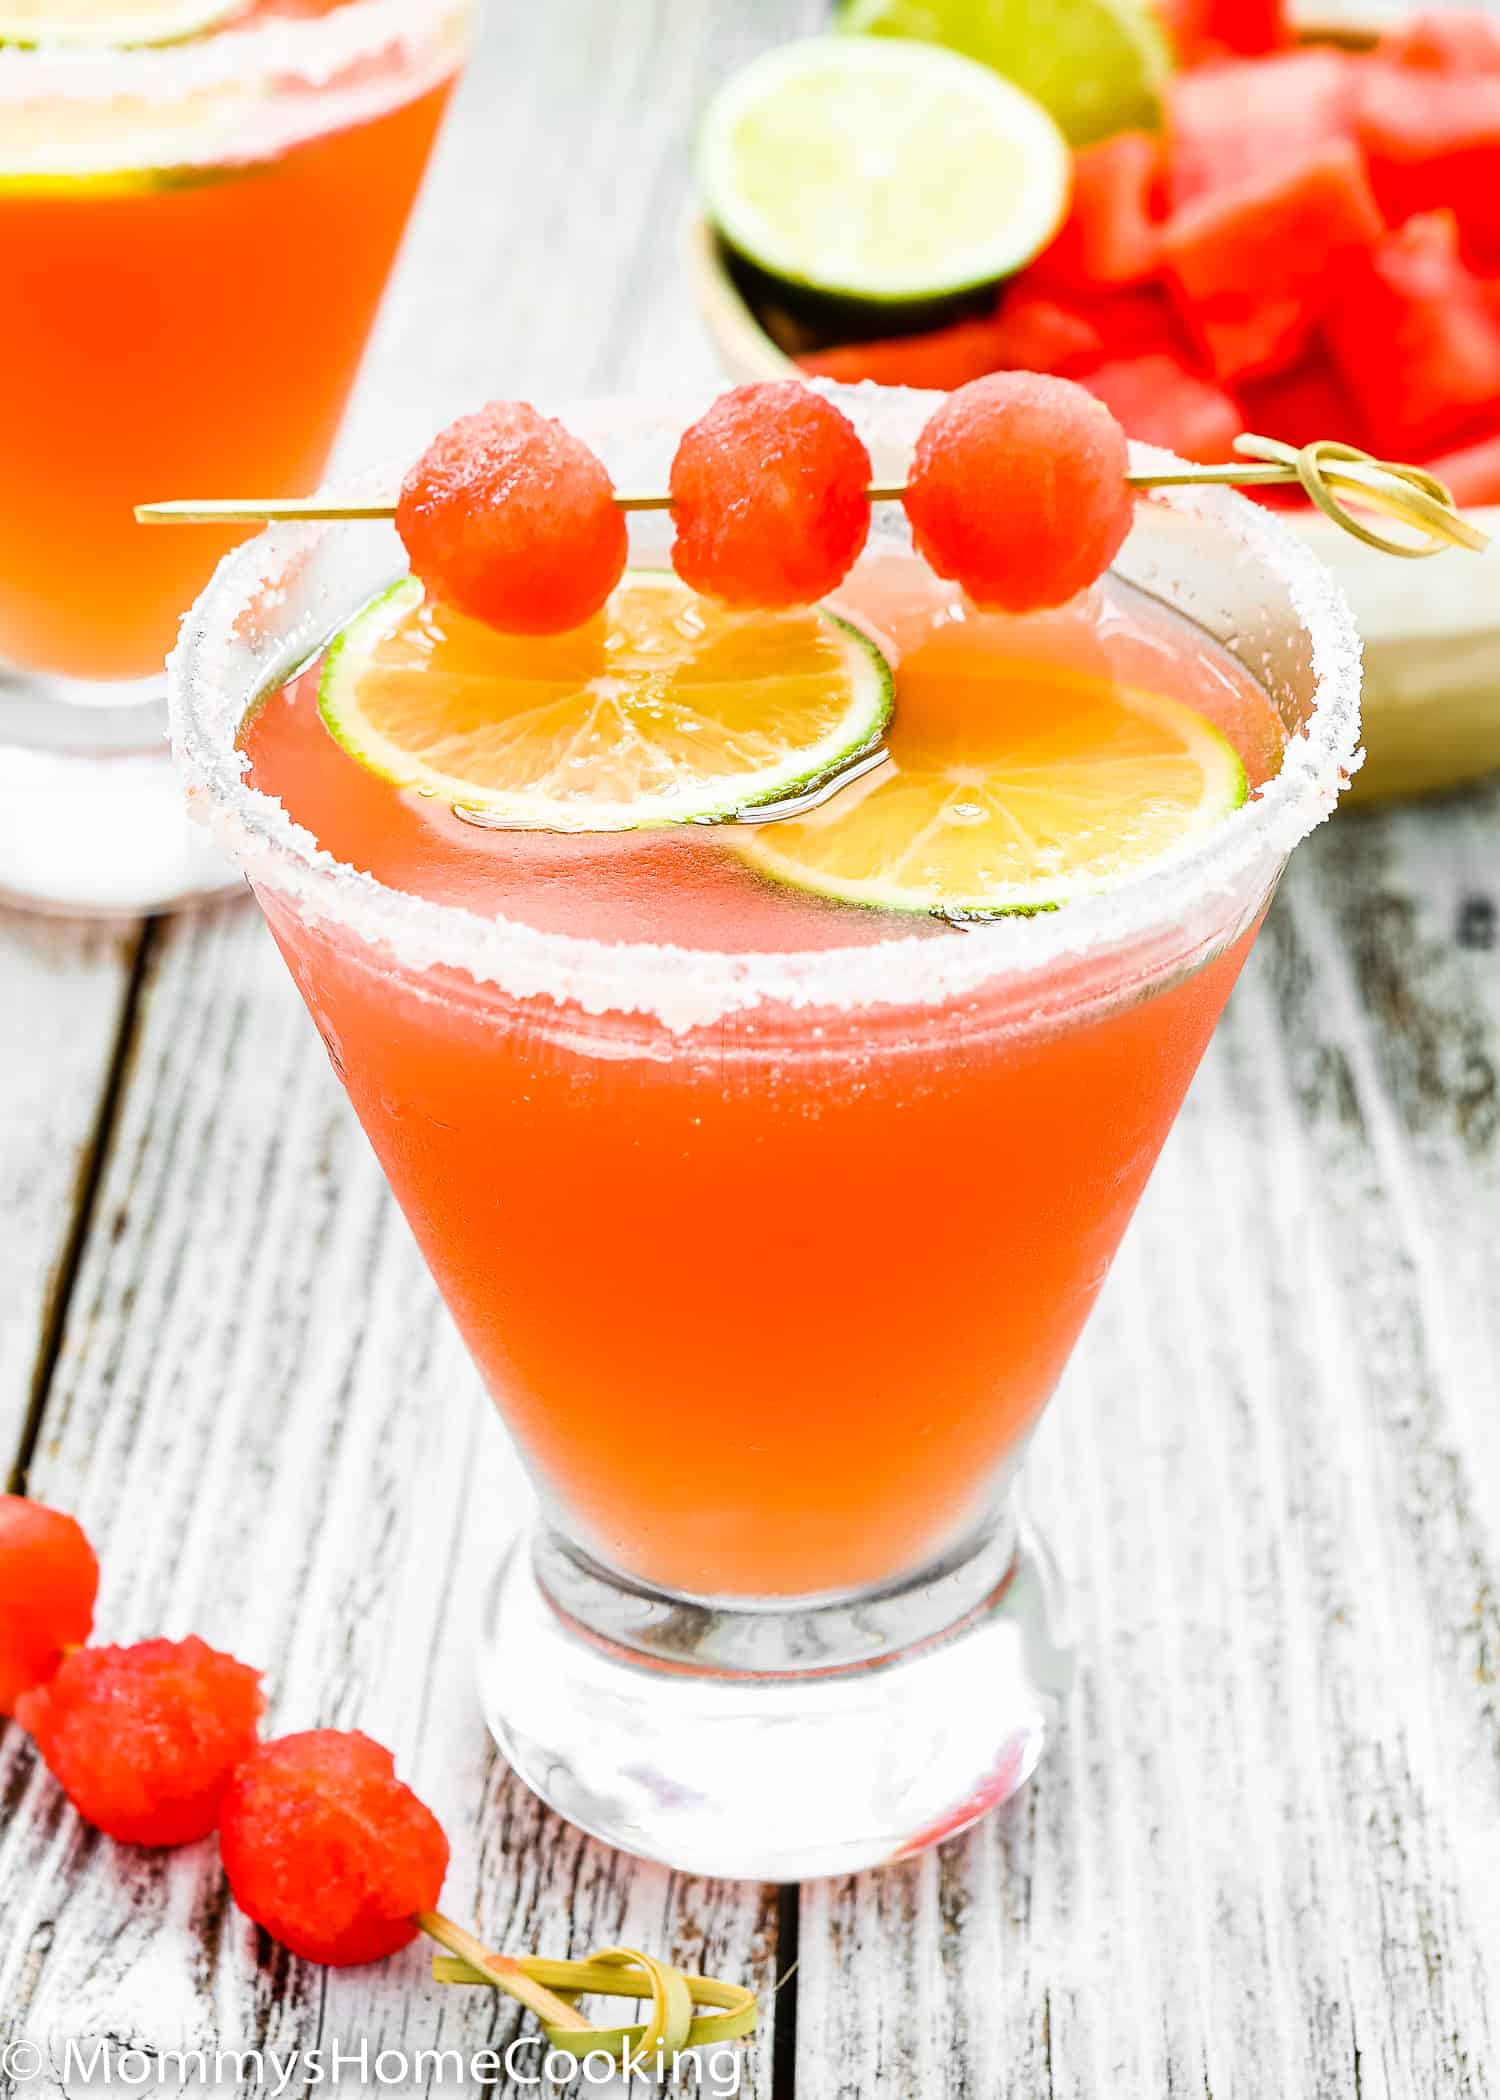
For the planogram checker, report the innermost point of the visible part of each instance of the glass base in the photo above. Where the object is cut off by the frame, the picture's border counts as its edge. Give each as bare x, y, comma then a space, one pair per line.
92, 822
772, 1744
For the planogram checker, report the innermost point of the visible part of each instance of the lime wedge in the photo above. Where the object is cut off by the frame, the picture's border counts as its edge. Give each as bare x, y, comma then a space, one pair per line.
1098, 65
1013, 787
111, 22
665, 710
870, 171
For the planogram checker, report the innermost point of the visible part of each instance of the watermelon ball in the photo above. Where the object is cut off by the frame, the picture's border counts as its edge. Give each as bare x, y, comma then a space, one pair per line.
511, 519
1017, 490
770, 497
327, 1849
144, 1740
49, 1579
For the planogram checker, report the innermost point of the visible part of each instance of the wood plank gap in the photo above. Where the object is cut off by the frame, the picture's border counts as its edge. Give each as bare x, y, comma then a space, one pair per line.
784, 2031
85, 1204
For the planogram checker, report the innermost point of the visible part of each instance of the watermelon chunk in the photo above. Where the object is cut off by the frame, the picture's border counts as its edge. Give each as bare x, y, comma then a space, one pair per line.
1433, 140
1202, 29
938, 357
1227, 124
1036, 334
1448, 40
1109, 236
1250, 265
1410, 331
1160, 401
1473, 473
1136, 322
1309, 401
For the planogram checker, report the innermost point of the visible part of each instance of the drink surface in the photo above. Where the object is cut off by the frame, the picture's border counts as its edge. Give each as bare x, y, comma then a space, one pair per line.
769, 1305
156, 346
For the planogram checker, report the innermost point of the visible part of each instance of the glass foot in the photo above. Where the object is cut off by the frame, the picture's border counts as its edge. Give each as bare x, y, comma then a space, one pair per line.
771, 1744
92, 821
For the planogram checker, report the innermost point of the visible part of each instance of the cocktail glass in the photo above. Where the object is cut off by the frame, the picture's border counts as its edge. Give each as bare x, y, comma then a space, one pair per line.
193, 243
771, 1260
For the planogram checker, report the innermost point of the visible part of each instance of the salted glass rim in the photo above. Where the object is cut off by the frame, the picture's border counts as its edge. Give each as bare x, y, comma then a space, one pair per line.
689, 987
312, 49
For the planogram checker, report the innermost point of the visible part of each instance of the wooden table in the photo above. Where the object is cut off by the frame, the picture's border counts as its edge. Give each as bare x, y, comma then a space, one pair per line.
1262, 1858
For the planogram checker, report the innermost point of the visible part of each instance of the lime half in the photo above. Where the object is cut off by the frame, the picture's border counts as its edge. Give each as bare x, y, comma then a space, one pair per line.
111, 22
1013, 787
878, 172
665, 710
1098, 65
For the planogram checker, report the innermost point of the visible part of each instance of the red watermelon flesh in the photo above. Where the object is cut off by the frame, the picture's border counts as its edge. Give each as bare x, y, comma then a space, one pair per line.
1036, 334
1227, 124
1448, 40
1433, 140
1410, 331
1249, 266
1473, 473
1309, 401
1109, 235
1160, 401
1136, 322
938, 357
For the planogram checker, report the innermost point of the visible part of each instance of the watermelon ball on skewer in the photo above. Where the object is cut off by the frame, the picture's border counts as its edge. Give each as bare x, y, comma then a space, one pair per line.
328, 1850
1017, 490
49, 1578
144, 1740
511, 519
769, 497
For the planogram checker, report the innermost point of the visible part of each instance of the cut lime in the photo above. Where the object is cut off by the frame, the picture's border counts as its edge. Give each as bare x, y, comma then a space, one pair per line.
665, 710
1098, 65
111, 23
1013, 787
870, 171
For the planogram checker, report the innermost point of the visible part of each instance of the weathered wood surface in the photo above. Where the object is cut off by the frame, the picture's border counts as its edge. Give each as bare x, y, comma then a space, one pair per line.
1263, 1858
63, 993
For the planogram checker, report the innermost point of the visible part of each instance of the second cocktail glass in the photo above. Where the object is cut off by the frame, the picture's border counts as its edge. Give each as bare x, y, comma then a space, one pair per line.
772, 1253
170, 218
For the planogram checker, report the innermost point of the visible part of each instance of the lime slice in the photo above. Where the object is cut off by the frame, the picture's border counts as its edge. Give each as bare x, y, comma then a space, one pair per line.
665, 710
875, 172
1098, 65
1014, 787
111, 22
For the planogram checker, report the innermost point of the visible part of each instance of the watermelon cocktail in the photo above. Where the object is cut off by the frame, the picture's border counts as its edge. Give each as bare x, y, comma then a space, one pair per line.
770, 1154
166, 211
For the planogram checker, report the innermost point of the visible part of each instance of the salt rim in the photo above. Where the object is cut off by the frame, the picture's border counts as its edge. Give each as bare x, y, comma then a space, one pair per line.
683, 988
310, 51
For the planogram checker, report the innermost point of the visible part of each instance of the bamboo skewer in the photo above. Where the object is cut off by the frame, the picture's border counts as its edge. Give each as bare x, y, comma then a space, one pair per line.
1332, 476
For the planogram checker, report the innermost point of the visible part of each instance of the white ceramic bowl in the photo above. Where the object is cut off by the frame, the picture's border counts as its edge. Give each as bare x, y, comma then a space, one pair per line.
1431, 629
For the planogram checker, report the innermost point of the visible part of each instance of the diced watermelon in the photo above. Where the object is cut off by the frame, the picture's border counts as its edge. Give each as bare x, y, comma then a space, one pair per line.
1409, 329
1159, 400
939, 357
1229, 123
1202, 29
1109, 235
1473, 473
1136, 322
1448, 40
1250, 265
1036, 334
1433, 139
1310, 401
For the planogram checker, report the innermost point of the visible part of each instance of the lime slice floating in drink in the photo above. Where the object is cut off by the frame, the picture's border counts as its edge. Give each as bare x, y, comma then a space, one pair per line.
111, 23
665, 710
1013, 788
1098, 65
878, 172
